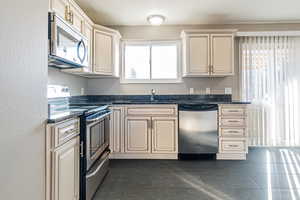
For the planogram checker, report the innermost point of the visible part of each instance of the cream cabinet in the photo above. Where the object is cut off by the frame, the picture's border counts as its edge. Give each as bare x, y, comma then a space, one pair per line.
137, 134
76, 17
70, 12
232, 132
61, 7
150, 132
164, 134
65, 171
62, 160
208, 53
116, 141
106, 48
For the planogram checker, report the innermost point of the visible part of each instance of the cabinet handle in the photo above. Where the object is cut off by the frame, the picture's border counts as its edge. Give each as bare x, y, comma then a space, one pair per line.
233, 145
71, 18
81, 149
233, 121
212, 69
67, 14
233, 131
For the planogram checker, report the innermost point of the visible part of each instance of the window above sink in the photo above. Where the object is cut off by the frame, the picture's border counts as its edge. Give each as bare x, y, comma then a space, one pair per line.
151, 62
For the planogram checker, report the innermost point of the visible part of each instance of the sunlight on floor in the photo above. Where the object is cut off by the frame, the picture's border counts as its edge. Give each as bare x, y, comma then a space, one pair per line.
199, 185
290, 172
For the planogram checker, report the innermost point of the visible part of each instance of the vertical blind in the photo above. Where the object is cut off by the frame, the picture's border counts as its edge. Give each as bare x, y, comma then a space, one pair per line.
270, 78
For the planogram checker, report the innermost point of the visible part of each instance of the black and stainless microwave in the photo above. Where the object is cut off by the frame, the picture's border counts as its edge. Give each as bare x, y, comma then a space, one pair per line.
68, 48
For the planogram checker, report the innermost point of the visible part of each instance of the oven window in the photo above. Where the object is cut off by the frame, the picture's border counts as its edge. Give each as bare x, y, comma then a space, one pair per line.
97, 137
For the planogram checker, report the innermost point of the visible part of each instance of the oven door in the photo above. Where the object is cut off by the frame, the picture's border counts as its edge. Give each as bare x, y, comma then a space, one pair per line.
67, 45
97, 137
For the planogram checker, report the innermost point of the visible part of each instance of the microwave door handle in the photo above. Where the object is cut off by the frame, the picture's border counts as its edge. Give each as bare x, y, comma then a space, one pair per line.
78, 51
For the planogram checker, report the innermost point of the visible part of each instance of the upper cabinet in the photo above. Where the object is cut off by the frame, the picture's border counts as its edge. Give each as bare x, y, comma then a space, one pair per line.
103, 43
61, 7
106, 51
208, 53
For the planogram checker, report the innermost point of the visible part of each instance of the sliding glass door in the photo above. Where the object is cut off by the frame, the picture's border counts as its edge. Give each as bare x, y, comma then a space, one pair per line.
270, 79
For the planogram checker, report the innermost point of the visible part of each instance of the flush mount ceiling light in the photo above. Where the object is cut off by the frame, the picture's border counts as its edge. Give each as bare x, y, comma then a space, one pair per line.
156, 20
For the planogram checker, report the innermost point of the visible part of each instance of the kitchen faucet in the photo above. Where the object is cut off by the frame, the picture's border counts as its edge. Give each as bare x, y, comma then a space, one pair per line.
152, 94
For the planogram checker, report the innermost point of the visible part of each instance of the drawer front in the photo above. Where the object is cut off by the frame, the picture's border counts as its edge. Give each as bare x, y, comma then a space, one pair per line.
233, 146
233, 111
232, 132
233, 122
151, 111
65, 131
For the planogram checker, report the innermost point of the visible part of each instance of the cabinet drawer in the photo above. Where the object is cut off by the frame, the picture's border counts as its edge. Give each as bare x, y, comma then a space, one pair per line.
65, 131
151, 111
233, 146
232, 132
232, 122
232, 111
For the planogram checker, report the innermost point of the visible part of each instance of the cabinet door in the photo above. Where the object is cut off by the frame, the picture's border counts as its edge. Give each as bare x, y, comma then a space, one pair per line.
65, 168
164, 135
103, 63
137, 135
198, 52
222, 54
116, 142
60, 7
88, 32
77, 19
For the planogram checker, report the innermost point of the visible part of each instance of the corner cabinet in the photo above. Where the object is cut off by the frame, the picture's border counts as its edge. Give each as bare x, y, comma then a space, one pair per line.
150, 132
62, 160
208, 53
106, 51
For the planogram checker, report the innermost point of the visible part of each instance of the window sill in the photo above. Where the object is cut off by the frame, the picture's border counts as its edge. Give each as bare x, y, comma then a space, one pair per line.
177, 81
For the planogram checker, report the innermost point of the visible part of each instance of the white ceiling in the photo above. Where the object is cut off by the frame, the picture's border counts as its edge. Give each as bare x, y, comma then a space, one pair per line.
135, 12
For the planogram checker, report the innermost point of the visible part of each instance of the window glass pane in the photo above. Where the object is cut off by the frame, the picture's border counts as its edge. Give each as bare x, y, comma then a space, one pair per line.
137, 64
164, 61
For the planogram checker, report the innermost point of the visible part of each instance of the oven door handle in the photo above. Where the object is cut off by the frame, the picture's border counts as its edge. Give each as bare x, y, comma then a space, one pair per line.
100, 117
99, 167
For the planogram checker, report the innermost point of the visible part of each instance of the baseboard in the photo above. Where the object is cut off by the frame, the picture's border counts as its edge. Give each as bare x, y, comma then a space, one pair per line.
231, 156
173, 156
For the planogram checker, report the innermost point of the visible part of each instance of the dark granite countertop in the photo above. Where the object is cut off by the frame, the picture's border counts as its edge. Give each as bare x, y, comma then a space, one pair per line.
137, 99
63, 115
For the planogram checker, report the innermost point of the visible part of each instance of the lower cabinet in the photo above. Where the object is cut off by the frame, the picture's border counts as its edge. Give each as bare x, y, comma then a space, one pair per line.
65, 171
164, 134
149, 132
62, 160
138, 135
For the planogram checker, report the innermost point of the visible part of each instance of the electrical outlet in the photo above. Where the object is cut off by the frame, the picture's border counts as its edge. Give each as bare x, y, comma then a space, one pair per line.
207, 91
192, 91
82, 91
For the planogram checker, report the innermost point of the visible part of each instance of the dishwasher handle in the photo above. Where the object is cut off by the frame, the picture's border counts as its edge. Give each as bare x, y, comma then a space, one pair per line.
197, 107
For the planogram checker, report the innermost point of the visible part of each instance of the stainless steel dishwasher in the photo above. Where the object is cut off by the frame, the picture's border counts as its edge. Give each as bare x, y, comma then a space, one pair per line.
198, 130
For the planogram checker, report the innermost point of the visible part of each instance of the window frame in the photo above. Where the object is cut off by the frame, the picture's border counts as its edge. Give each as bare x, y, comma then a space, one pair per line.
123, 80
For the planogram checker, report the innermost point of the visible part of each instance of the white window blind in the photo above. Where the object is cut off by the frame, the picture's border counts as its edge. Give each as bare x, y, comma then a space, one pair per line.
270, 79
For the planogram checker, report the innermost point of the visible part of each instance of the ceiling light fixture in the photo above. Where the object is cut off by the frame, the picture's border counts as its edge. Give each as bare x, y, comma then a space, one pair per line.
156, 20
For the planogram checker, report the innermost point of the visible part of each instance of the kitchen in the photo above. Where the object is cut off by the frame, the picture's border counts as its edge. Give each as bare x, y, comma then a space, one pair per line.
115, 104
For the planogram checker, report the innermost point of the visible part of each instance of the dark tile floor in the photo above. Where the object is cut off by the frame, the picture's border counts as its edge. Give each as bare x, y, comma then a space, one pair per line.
268, 173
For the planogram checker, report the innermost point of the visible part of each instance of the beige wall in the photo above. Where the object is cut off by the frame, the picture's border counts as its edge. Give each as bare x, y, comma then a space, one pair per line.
113, 86
75, 83
23, 101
